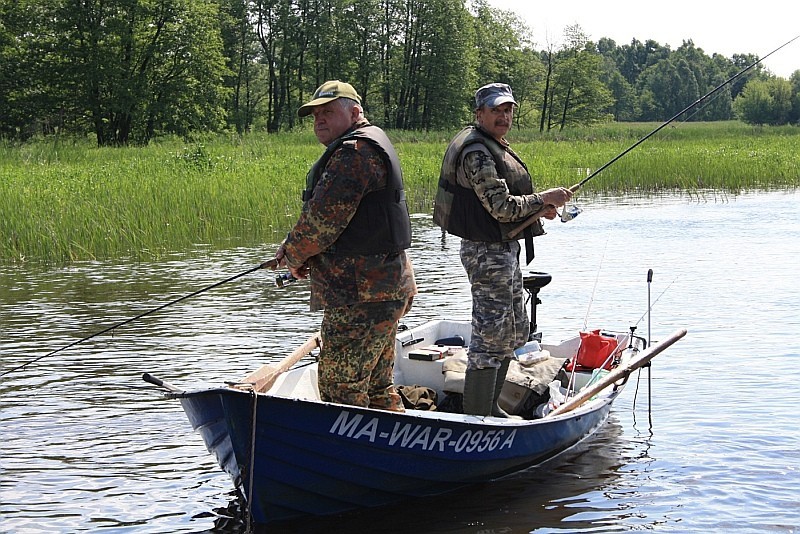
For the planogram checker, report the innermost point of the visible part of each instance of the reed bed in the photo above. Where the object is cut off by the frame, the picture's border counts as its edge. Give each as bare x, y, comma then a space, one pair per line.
64, 199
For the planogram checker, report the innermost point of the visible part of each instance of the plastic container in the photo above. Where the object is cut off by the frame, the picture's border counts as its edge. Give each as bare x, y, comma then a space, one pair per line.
530, 346
531, 352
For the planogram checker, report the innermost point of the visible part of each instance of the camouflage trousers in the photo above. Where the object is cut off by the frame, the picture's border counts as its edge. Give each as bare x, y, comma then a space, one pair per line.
356, 362
499, 320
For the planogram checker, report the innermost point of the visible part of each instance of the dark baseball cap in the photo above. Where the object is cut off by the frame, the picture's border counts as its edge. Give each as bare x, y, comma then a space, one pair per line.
493, 94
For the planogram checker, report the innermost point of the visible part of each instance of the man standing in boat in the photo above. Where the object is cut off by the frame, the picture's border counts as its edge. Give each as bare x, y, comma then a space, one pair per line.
350, 240
484, 193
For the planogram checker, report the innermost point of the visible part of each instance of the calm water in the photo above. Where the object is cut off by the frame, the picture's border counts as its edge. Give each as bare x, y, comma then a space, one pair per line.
87, 446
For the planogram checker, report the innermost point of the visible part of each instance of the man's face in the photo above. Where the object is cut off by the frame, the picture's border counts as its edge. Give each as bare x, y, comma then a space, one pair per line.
497, 121
331, 120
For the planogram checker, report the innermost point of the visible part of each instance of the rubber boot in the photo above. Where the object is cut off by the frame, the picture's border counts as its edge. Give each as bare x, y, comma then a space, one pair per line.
479, 391
497, 411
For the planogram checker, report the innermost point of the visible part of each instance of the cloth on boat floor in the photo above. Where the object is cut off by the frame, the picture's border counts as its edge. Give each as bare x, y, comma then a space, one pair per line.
417, 397
526, 384
454, 370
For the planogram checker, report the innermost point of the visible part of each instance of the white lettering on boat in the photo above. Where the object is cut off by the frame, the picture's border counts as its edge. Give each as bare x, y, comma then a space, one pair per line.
368, 430
420, 436
346, 427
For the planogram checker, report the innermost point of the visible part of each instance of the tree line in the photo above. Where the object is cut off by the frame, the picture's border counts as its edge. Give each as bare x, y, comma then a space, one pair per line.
126, 71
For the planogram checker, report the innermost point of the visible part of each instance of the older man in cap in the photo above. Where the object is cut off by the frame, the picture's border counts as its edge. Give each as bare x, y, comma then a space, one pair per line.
350, 240
484, 193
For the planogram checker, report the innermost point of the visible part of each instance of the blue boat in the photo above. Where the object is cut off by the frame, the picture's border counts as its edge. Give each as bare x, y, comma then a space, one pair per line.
290, 455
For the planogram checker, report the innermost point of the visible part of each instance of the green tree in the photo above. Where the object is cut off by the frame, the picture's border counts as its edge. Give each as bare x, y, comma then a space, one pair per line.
129, 70
740, 62
429, 61
578, 95
666, 88
447, 65
124, 69
794, 116
31, 67
765, 102
14, 77
185, 89
283, 31
634, 58
240, 45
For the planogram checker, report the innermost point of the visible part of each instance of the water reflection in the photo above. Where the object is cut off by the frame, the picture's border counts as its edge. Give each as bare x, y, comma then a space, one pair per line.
565, 493
87, 445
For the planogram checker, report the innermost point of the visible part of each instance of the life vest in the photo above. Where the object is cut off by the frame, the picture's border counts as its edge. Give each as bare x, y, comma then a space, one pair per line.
381, 223
458, 210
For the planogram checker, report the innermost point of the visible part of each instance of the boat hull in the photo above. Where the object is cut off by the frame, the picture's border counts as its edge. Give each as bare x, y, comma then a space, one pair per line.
317, 458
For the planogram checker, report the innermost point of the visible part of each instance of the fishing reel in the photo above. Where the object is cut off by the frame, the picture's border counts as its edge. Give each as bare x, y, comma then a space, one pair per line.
284, 279
569, 212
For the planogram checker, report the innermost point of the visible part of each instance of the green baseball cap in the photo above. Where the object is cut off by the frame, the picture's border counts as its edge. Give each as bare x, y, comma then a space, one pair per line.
327, 92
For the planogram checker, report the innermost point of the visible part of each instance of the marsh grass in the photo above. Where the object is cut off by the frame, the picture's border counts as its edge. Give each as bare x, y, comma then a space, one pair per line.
65, 199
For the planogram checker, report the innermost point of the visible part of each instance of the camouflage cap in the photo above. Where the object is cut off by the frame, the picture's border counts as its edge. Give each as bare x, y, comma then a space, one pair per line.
493, 94
328, 92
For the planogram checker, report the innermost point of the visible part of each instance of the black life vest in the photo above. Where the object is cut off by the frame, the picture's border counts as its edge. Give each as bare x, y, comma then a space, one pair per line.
381, 223
458, 209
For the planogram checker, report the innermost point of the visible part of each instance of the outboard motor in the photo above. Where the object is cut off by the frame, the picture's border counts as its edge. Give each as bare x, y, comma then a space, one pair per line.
532, 283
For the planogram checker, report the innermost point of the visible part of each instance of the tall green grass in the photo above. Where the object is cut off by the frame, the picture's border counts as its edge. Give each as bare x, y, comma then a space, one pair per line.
65, 199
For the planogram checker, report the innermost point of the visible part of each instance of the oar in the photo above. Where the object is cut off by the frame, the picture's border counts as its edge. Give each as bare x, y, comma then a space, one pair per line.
150, 379
617, 374
263, 379
269, 264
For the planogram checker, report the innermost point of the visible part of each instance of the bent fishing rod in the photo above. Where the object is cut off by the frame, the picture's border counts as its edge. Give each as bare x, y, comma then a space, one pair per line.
269, 264
533, 218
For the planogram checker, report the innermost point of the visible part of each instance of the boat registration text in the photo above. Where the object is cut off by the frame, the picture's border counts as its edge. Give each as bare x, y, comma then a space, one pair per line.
423, 437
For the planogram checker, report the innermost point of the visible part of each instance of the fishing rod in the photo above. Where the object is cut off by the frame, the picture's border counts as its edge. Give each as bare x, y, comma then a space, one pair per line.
269, 264
533, 218
649, 342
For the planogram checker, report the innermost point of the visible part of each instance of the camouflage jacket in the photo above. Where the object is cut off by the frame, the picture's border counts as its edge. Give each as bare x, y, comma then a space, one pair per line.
354, 170
485, 190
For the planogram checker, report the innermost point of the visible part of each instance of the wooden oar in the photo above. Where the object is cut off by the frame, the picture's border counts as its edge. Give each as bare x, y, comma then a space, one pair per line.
617, 374
262, 379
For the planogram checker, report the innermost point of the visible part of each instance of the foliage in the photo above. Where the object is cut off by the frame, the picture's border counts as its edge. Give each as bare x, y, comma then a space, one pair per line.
129, 71
765, 102
124, 70
64, 198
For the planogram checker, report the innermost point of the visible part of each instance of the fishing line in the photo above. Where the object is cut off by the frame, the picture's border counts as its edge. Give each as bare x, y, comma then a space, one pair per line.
650, 307
596, 280
570, 211
681, 112
267, 264
535, 217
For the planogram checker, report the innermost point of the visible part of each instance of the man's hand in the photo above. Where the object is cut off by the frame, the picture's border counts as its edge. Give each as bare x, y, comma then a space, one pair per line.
279, 255
301, 273
551, 199
549, 212
556, 197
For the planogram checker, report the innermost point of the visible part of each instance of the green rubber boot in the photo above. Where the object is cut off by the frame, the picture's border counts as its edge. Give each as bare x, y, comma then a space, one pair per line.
497, 411
479, 391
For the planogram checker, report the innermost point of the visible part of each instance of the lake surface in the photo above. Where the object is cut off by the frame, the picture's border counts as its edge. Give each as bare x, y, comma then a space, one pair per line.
86, 445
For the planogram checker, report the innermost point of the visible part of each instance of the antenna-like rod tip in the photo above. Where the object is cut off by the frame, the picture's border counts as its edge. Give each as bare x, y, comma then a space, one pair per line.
649, 275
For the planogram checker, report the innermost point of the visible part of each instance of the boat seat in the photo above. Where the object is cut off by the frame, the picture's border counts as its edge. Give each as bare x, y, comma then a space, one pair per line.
297, 384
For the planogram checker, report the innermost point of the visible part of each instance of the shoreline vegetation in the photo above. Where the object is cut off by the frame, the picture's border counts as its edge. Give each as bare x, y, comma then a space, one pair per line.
65, 199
